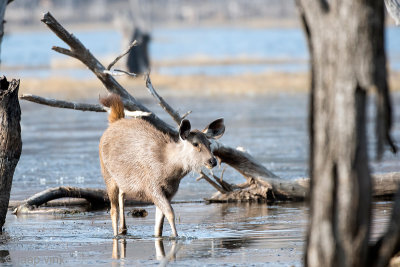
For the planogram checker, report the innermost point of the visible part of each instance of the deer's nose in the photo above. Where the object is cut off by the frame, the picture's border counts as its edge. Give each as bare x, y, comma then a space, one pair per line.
212, 162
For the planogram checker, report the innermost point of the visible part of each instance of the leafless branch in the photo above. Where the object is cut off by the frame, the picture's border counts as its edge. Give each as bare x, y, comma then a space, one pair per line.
64, 51
186, 114
82, 54
226, 186
86, 57
63, 104
208, 179
134, 43
77, 106
118, 72
173, 113
393, 8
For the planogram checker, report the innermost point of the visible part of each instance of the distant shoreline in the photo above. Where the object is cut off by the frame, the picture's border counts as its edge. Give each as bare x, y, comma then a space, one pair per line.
287, 23
256, 23
184, 85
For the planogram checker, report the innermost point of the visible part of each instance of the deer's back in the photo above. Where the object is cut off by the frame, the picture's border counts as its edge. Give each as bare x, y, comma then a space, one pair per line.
133, 153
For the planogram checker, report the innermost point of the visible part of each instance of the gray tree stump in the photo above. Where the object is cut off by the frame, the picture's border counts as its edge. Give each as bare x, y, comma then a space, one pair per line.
10, 140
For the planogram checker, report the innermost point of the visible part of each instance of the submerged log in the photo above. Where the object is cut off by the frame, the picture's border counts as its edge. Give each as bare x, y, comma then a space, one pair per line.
385, 186
94, 199
10, 140
254, 190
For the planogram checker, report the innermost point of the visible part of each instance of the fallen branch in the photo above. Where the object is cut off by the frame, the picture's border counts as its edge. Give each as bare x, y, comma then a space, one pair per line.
96, 197
253, 190
208, 179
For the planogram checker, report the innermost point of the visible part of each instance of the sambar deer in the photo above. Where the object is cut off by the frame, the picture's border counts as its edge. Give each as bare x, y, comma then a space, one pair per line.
140, 161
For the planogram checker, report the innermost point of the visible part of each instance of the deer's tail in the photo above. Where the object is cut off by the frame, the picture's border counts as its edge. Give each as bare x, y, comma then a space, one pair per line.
116, 106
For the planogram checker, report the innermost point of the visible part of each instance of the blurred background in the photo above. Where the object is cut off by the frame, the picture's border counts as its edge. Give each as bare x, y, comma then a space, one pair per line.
237, 45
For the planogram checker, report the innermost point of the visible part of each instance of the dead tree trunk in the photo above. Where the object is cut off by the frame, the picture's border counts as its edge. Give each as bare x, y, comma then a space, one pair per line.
3, 5
10, 140
346, 43
138, 58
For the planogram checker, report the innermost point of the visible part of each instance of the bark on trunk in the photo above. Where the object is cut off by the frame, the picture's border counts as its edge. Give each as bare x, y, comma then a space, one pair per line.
3, 5
10, 140
348, 58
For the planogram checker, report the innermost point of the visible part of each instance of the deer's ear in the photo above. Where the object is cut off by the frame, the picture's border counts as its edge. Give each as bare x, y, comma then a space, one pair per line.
215, 129
184, 129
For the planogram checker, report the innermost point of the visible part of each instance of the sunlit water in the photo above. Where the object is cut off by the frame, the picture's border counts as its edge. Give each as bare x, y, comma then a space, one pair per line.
31, 55
60, 147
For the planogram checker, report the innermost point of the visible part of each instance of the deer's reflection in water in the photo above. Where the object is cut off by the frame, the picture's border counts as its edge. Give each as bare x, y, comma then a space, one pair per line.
119, 250
160, 252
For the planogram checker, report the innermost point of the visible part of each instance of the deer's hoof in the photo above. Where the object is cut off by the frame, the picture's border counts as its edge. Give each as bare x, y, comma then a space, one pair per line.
123, 231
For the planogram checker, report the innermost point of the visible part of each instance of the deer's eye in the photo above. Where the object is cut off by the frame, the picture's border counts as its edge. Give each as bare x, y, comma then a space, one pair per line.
195, 144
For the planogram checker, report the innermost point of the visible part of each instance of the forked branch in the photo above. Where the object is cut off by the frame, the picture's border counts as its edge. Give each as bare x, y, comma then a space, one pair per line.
133, 44
79, 51
172, 112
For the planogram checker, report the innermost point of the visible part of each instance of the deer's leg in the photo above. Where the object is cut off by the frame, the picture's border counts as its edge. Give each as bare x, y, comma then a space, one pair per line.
158, 228
165, 206
113, 195
122, 229
112, 191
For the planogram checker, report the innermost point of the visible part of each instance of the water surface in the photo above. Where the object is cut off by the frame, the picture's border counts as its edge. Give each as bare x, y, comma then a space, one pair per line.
31, 56
60, 147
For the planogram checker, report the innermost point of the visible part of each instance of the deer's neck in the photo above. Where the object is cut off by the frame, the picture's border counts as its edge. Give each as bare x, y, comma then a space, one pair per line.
179, 155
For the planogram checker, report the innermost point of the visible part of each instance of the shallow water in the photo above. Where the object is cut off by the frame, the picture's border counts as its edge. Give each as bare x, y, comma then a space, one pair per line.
212, 235
30, 54
217, 234
60, 147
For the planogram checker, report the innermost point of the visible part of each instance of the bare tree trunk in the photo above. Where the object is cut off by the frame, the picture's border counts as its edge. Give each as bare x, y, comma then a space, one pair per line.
10, 140
3, 5
345, 39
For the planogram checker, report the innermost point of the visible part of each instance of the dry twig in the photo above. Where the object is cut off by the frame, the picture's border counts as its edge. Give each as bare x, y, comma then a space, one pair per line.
172, 112
134, 43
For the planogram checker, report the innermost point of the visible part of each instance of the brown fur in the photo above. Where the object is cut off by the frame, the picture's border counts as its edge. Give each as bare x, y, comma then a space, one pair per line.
114, 102
146, 164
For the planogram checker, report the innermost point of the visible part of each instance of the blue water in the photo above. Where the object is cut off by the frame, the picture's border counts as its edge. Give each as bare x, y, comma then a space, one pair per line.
31, 54
227, 42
